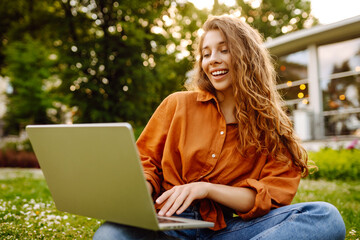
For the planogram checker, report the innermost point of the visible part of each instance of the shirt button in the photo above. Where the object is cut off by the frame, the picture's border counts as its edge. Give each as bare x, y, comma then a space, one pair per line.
222, 132
213, 156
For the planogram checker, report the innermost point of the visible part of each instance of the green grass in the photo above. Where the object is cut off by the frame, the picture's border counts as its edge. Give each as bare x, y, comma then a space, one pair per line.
28, 212
344, 195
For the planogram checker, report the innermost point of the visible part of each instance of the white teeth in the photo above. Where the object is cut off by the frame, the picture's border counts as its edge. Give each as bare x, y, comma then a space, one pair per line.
216, 73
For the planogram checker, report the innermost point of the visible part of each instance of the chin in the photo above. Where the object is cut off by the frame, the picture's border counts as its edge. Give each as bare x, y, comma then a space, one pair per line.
222, 88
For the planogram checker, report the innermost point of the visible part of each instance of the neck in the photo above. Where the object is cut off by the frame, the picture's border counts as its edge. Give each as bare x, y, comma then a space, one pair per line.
227, 105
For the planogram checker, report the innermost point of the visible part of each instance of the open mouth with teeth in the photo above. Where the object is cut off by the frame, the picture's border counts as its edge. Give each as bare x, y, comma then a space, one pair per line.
219, 72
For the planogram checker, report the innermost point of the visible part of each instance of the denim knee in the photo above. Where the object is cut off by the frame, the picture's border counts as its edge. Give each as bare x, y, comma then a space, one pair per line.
331, 221
310, 220
335, 219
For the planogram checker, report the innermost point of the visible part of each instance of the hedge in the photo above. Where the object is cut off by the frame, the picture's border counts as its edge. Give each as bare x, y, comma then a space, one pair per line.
18, 154
19, 159
342, 164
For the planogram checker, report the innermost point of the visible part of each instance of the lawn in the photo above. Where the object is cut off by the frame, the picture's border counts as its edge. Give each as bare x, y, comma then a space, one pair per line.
28, 212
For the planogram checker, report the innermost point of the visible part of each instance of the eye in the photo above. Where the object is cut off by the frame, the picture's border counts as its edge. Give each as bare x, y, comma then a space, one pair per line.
224, 51
206, 54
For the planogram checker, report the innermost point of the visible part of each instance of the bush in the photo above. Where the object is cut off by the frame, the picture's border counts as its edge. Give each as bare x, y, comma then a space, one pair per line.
18, 159
18, 145
343, 164
18, 154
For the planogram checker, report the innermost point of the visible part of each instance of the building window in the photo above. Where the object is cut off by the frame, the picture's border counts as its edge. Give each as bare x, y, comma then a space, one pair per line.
339, 70
292, 81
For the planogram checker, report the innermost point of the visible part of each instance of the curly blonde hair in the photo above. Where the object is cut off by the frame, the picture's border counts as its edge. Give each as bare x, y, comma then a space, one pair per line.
263, 123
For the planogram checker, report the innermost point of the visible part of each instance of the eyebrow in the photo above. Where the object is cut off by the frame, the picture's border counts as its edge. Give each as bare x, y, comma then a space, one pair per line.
220, 43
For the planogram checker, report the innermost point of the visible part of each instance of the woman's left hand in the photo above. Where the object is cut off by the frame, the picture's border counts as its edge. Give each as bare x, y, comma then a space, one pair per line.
179, 198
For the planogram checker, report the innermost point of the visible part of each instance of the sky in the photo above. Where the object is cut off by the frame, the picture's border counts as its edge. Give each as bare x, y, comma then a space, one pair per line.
327, 11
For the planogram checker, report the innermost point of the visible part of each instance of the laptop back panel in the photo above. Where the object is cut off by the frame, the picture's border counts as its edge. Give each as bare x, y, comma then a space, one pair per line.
86, 164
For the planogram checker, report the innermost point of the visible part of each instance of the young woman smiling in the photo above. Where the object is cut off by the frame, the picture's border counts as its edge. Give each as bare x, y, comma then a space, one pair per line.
226, 151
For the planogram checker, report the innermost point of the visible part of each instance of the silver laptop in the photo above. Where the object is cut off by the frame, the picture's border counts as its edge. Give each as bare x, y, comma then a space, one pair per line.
94, 170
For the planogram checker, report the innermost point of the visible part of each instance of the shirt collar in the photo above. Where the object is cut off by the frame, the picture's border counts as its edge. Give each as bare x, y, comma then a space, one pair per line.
204, 96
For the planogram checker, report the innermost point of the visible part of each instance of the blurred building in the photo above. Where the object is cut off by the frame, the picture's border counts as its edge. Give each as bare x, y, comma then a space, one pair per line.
319, 78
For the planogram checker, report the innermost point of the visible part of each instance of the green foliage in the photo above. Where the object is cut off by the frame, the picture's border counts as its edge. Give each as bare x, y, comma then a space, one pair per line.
272, 18
110, 61
28, 67
105, 55
23, 145
343, 164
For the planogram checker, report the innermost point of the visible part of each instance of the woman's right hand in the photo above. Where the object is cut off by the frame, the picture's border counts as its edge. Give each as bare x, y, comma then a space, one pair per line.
178, 199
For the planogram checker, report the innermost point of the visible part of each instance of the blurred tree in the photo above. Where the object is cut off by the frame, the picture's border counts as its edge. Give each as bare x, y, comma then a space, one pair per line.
28, 67
116, 60
274, 18
107, 58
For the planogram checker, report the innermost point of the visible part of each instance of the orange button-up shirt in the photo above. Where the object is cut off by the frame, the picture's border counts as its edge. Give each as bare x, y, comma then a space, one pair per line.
187, 140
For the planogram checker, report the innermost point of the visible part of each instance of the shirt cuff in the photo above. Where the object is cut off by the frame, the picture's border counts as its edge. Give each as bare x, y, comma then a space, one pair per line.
262, 199
154, 183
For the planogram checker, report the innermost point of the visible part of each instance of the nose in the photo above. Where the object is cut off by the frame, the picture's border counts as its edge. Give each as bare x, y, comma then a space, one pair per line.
215, 58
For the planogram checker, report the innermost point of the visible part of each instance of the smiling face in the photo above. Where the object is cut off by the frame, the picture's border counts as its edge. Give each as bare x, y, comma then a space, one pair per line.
216, 61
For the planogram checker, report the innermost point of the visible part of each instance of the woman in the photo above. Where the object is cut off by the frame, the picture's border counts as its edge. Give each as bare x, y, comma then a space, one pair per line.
226, 152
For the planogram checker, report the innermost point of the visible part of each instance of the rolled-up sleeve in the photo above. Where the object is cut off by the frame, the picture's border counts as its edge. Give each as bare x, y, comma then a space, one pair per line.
276, 187
151, 143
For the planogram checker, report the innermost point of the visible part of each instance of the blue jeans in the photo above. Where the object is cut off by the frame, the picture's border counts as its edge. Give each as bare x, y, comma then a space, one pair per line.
313, 220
